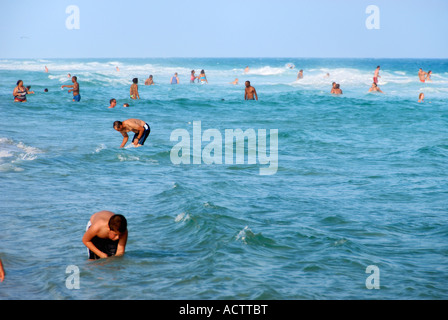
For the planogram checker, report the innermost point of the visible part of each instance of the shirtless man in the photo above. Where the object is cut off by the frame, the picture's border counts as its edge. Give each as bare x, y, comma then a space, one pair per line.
149, 81
75, 89
139, 127
376, 75
421, 75
106, 235
250, 93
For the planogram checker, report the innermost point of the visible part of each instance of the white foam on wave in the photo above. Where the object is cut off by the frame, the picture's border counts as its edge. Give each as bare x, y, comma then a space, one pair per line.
266, 71
243, 234
12, 152
100, 148
182, 217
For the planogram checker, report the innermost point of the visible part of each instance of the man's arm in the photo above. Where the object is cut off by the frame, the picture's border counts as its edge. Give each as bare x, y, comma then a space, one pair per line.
87, 240
255, 93
122, 244
125, 139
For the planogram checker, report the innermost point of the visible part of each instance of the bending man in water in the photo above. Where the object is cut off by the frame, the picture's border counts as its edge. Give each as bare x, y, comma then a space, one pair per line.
140, 128
106, 235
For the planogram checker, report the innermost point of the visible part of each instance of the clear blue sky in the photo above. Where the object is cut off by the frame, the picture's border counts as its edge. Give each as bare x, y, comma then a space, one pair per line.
223, 28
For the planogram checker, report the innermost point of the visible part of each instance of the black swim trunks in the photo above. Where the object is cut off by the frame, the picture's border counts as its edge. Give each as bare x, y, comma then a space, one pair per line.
144, 135
107, 246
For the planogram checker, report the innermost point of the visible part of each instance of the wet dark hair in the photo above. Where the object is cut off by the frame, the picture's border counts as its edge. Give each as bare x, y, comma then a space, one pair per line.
75, 77
19, 82
118, 223
117, 124
135, 80
113, 99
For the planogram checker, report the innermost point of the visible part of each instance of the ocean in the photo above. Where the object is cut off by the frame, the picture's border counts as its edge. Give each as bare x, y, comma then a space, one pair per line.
354, 208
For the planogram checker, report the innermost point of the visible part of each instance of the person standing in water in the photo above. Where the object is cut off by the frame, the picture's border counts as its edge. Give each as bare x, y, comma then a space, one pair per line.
300, 75
75, 89
202, 78
376, 75
133, 91
174, 79
250, 93
20, 92
193, 76
149, 81
422, 75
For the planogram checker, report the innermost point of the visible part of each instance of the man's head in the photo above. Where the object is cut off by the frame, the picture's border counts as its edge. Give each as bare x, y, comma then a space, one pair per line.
113, 102
117, 226
135, 80
118, 125
247, 84
74, 79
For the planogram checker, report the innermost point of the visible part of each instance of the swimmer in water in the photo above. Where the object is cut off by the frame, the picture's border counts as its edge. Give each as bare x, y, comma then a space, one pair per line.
106, 235
421, 97
336, 89
20, 92
133, 91
234, 81
428, 76
113, 103
149, 81
246, 70
421, 75
375, 88
174, 79
193, 76
250, 93
202, 78
75, 89
140, 128
300, 75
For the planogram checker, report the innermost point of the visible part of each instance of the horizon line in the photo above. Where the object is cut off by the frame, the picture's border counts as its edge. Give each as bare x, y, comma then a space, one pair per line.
261, 57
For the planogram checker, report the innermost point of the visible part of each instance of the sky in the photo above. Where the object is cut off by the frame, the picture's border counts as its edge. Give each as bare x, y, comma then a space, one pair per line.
223, 28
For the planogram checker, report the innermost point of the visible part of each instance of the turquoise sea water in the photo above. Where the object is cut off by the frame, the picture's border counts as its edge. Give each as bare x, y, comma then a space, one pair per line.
361, 181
